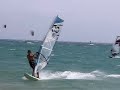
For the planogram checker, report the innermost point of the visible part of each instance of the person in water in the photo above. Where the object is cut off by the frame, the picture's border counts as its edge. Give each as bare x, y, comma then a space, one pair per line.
36, 56
113, 53
31, 61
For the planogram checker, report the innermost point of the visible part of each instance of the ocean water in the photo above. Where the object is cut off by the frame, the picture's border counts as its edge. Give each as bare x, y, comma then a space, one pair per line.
73, 66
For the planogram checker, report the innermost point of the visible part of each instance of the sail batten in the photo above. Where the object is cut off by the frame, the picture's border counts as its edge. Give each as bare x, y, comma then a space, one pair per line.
48, 44
47, 48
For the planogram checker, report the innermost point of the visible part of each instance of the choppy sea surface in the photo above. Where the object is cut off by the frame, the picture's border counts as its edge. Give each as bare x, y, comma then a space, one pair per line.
72, 66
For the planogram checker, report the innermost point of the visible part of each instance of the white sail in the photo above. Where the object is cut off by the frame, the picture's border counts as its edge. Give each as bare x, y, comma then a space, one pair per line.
116, 46
48, 44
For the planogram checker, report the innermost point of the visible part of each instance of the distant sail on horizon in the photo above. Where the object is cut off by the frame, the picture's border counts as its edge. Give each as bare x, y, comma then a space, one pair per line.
48, 44
116, 47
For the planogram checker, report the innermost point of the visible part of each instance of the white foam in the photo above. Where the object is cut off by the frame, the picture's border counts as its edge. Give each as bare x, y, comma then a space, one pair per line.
24, 78
116, 57
103, 75
113, 75
98, 73
12, 49
30, 43
94, 75
66, 75
78, 75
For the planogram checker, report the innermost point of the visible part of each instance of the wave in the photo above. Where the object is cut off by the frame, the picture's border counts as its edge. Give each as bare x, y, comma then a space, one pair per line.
66, 75
94, 75
30, 43
117, 57
118, 65
12, 49
113, 76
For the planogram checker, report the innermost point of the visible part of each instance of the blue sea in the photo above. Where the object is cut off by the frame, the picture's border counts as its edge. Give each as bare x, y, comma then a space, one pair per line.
72, 66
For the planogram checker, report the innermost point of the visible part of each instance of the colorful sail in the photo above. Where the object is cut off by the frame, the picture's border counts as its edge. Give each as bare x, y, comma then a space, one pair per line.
48, 44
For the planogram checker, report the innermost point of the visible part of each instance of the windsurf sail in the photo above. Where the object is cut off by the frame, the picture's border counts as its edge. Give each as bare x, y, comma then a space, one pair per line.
48, 44
116, 47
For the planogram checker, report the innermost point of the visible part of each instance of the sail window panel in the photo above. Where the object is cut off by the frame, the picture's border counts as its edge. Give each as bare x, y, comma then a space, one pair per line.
45, 53
49, 44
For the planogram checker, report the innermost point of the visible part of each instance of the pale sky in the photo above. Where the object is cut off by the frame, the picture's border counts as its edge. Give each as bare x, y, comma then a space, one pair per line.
84, 20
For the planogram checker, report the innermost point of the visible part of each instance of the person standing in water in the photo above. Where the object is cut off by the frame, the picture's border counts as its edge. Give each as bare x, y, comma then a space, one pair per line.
31, 60
36, 56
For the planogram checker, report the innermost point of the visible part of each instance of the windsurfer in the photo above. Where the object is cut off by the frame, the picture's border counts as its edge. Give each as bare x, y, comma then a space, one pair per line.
113, 53
36, 56
31, 60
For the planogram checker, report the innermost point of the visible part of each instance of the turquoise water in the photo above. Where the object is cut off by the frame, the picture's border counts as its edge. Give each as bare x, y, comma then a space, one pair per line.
73, 66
